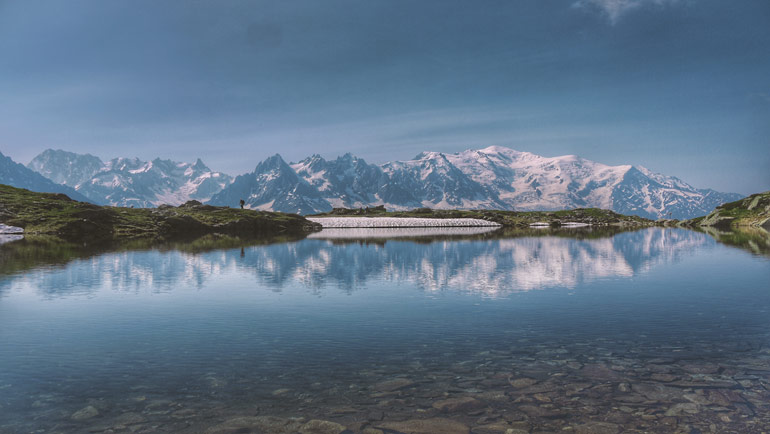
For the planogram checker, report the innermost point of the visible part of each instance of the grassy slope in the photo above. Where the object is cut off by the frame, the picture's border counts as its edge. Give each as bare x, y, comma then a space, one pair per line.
56, 214
749, 211
594, 216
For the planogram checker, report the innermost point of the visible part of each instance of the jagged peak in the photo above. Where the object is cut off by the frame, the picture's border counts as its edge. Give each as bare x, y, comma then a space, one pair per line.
273, 162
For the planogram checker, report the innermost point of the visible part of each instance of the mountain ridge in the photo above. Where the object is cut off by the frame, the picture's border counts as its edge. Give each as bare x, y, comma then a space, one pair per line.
494, 177
130, 181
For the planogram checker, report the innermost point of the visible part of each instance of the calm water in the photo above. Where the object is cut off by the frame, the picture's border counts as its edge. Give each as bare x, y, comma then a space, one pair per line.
659, 330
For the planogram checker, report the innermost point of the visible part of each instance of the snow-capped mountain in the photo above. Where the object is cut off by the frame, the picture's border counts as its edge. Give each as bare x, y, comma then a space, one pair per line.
490, 178
274, 186
348, 181
130, 181
66, 168
16, 175
525, 181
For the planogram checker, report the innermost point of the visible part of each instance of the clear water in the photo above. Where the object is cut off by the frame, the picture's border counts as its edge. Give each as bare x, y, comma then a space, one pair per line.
659, 330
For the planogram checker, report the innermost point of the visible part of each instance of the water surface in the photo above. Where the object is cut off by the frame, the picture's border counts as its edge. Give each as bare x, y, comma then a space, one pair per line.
656, 330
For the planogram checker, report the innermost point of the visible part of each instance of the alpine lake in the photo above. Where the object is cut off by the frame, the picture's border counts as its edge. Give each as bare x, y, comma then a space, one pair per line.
467, 330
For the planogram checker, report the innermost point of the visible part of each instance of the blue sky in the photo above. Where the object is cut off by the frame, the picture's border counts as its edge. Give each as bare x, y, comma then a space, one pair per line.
679, 86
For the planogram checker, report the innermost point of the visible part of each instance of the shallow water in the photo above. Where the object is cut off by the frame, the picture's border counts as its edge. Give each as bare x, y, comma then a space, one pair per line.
659, 330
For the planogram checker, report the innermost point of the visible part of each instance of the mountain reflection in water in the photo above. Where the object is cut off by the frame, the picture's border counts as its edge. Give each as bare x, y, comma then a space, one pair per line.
329, 259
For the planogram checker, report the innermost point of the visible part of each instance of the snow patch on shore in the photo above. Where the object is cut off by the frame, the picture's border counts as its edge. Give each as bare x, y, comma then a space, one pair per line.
368, 233
5, 229
398, 222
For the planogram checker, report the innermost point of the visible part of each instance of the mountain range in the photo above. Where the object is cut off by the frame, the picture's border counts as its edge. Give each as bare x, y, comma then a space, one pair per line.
130, 181
490, 178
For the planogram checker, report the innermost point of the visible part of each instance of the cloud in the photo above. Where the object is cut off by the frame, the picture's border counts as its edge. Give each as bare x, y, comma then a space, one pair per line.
615, 9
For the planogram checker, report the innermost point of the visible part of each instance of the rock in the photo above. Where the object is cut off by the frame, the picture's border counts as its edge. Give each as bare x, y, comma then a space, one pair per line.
523, 382
666, 378
317, 426
493, 396
535, 412
129, 418
393, 385
657, 392
600, 372
375, 415
492, 428
85, 413
436, 425
678, 409
266, 424
521, 426
184, 413
705, 368
453, 405
597, 428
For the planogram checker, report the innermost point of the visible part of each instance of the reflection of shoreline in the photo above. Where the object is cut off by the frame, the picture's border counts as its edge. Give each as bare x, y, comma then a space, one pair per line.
8, 238
485, 264
368, 233
752, 239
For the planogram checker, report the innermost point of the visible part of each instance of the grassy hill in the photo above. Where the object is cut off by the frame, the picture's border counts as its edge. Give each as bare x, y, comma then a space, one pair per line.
752, 211
60, 216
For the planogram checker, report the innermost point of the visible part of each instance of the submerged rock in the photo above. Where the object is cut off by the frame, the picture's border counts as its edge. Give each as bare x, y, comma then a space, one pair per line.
85, 413
436, 425
393, 385
453, 405
597, 428
317, 426
266, 424
521, 383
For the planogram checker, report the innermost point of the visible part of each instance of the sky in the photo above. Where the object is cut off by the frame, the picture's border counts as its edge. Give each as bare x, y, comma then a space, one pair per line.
681, 87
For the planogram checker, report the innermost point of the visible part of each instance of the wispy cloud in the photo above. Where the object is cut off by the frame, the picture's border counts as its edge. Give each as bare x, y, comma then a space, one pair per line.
615, 9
